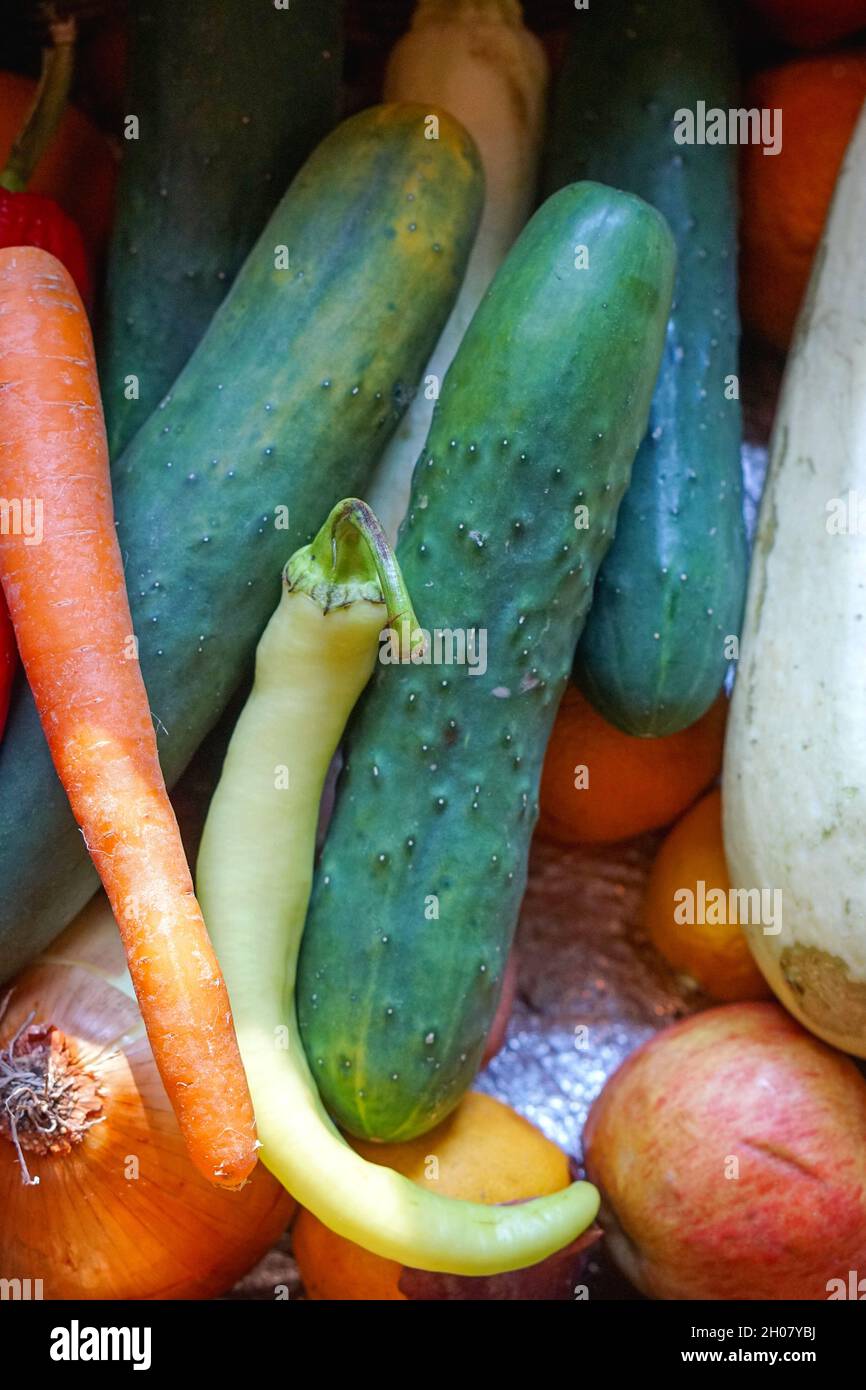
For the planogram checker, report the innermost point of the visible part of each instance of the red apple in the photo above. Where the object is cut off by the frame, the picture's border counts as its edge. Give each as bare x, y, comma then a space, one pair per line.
730, 1151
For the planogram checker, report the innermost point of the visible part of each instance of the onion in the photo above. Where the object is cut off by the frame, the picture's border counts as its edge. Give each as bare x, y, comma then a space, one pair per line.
97, 1195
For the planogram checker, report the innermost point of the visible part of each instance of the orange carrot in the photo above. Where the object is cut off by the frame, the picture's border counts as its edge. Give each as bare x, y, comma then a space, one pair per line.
62, 573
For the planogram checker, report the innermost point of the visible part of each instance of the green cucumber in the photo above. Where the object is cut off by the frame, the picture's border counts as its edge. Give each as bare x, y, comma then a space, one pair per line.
285, 405
228, 105
653, 654
424, 867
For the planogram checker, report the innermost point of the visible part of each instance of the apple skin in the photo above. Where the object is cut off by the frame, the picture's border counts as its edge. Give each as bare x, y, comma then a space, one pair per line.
742, 1082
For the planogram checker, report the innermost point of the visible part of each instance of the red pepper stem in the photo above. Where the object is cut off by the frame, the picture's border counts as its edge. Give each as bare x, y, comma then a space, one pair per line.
58, 60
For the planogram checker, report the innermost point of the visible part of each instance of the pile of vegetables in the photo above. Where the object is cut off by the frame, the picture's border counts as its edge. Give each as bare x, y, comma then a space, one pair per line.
317, 381
313, 661
68, 604
402, 454
437, 800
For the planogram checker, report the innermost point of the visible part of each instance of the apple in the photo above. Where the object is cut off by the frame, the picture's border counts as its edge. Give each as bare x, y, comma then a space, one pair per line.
730, 1152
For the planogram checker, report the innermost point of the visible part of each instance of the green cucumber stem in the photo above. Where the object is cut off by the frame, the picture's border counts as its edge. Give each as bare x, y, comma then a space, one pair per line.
351, 558
58, 61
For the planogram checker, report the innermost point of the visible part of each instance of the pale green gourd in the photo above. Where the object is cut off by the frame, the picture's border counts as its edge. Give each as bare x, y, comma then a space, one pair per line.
794, 787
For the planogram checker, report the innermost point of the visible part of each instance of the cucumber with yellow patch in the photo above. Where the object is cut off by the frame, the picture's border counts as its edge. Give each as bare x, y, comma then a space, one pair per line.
284, 406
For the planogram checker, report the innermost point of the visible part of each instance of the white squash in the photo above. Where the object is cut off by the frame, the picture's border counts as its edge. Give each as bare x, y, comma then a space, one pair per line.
475, 59
795, 760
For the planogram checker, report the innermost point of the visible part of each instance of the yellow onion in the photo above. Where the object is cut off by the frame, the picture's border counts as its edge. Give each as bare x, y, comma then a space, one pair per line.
97, 1196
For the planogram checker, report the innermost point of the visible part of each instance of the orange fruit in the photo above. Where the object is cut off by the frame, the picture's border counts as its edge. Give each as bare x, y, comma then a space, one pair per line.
79, 169
811, 23
600, 785
484, 1152
715, 954
786, 197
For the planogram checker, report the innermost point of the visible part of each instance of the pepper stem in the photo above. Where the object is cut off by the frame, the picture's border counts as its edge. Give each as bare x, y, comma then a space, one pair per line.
351, 558
58, 60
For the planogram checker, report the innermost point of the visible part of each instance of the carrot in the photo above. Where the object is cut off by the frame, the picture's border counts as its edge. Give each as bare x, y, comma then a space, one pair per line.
62, 573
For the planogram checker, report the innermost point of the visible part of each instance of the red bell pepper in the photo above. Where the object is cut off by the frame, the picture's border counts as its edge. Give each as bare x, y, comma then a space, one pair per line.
30, 219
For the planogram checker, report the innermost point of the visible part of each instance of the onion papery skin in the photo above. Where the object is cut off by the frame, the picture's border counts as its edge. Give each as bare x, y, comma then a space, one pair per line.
89, 1229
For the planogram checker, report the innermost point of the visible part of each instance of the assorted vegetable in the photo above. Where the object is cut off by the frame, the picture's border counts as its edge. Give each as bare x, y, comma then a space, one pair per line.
98, 1194
669, 595
289, 397
222, 112
513, 506
475, 59
63, 580
795, 759
254, 875
570, 459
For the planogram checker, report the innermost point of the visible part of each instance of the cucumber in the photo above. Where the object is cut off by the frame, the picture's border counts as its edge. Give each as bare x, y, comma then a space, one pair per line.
423, 870
653, 655
229, 106
284, 405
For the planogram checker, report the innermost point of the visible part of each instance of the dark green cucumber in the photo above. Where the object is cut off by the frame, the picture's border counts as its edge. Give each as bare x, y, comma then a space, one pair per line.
285, 405
424, 867
229, 103
652, 657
